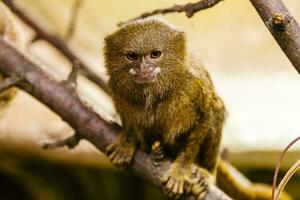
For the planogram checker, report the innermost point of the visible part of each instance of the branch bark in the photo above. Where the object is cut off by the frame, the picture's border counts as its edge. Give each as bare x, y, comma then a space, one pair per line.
72, 78
58, 44
64, 101
73, 19
190, 9
8, 83
70, 142
283, 26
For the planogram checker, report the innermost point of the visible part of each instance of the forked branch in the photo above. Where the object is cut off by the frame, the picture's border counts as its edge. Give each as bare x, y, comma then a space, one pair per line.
59, 44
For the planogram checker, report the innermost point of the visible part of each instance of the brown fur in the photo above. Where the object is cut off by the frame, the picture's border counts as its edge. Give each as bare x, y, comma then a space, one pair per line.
180, 108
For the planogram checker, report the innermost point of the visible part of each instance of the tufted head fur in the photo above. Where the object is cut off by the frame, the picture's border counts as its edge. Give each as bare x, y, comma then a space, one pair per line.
130, 62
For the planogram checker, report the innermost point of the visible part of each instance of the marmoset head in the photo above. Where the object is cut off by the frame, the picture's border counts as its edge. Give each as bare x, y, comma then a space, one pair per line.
144, 51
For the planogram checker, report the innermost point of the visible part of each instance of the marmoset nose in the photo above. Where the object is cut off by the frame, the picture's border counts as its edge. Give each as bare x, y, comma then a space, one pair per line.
145, 67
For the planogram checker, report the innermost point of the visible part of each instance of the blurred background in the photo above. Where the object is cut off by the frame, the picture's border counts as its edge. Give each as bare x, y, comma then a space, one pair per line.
251, 74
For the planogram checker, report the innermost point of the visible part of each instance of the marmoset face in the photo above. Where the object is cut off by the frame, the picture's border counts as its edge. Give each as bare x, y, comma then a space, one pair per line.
144, 67
144, 51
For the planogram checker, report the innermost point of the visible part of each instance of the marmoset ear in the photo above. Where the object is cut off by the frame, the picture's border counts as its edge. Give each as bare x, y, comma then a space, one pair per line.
109, 42
179, 42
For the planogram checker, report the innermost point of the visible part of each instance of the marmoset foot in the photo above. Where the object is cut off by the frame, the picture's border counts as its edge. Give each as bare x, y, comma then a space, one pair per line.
198, 182
157, 151
186, 179
121, 152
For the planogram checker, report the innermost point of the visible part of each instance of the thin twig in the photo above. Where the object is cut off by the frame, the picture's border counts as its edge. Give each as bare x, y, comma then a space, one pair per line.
59, 44
70, 142
73, 19
283, 27
286, 178
278, 163
90, 125
72, 78
9, 82
190, 9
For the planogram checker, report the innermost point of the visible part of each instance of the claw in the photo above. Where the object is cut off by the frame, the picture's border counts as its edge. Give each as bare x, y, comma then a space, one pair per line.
121, 152
187, 187
174, 181
164, 179
175, 187
200, 188
180, 188
112, 155
170, 184
157, 152
202, 196
110, 148
187, 178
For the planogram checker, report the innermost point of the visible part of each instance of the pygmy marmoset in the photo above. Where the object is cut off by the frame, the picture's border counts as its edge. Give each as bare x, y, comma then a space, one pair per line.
162, 94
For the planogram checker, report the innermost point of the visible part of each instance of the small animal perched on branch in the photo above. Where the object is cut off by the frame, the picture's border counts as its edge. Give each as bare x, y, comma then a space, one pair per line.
167, 100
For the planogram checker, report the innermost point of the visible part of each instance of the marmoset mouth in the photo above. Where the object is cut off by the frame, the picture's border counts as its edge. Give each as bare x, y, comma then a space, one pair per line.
145, 76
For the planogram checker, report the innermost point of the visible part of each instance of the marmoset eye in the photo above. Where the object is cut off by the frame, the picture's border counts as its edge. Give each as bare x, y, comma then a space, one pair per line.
131, 56
155, 54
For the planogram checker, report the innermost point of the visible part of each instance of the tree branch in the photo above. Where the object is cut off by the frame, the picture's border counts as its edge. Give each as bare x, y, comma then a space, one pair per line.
57, 43
70, 142
72, 78
9, 82
64, 101
73, 19
190, 9
283, 27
